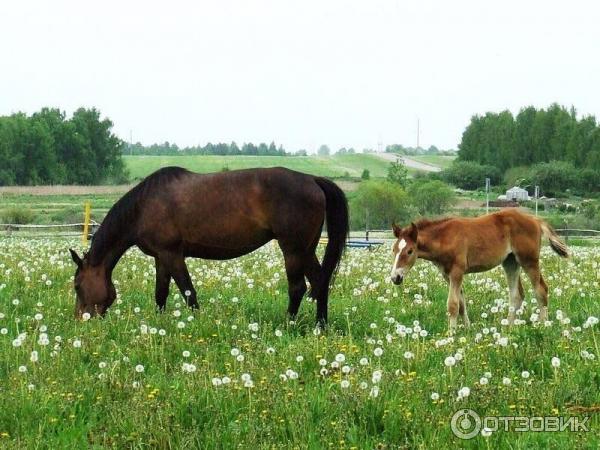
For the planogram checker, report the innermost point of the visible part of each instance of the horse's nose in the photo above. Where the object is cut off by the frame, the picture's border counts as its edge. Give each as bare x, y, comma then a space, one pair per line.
397, 279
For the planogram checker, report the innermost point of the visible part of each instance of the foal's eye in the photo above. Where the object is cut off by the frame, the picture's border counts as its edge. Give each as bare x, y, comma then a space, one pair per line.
410, 252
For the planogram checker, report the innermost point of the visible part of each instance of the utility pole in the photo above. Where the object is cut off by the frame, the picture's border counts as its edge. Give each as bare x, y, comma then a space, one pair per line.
418, 131
487, 195
537, 194
130, 142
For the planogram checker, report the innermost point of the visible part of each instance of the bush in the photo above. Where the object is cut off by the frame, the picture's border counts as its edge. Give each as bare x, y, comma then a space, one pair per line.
470, 175
431, 197
366, 175
555, 177
378, 204
18, 215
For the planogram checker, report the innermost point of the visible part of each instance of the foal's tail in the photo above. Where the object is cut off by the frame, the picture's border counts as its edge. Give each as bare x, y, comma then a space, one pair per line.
557, 245
336, 214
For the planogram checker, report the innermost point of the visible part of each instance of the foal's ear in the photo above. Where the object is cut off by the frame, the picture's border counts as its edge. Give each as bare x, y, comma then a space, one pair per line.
397, 230
413, 232
75, 257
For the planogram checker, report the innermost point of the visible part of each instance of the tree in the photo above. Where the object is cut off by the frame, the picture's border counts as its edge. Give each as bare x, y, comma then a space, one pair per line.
470, 175
365, 175
323, 150
378, 204
431, 197
397, 173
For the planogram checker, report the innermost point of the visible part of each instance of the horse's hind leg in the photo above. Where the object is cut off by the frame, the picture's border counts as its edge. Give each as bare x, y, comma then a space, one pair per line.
317, 290
294, 268
515, 288
163, 278
540, 288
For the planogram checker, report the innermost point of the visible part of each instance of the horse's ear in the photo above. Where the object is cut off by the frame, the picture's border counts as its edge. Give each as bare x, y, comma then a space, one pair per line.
76, 259
413, 232
397, 230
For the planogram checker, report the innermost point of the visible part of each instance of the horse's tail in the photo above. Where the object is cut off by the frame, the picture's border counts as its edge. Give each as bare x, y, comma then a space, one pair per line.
557, 245
336, 214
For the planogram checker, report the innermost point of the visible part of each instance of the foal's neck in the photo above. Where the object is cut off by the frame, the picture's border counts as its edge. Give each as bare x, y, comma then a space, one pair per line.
428, 240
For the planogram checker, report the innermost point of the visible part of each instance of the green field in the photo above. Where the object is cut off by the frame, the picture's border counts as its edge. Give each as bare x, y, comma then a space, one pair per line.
436, 160
237, 374
330, 166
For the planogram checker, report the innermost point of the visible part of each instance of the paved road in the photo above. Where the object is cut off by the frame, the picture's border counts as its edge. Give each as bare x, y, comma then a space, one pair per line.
408, 162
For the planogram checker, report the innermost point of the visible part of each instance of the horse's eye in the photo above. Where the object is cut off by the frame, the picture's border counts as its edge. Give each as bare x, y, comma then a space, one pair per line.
410, 252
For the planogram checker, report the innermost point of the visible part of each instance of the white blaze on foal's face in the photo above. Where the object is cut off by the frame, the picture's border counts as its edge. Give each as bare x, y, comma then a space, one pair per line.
405, 252
398, 271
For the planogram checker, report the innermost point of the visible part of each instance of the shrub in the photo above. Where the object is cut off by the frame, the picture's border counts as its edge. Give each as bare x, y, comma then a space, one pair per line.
378, 204
470, 175
431, 197
18, 215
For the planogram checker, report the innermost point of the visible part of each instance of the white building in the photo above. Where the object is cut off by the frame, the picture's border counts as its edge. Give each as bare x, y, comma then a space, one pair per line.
517, 193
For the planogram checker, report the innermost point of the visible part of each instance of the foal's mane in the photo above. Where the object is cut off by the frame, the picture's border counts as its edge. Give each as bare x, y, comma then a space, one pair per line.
121, 219
424, 224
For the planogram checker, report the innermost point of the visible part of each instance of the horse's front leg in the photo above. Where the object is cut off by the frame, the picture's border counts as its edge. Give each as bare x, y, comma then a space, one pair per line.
462, 309
163, 279
454, 298
179, 272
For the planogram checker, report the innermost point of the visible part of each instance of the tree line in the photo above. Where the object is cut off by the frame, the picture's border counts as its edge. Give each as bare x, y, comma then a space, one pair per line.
49, 148
532, 136
169, 149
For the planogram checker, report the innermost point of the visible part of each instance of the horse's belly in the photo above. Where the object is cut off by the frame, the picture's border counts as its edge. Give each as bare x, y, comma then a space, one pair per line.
215, 252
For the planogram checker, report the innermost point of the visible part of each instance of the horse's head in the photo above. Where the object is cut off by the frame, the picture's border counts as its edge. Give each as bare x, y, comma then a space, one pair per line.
95, 291
404, 250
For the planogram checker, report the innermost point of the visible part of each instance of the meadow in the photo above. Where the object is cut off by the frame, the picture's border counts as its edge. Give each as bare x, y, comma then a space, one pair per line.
238, 374
331, 166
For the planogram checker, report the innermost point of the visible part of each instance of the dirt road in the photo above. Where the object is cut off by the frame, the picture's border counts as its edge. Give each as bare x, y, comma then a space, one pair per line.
408, 162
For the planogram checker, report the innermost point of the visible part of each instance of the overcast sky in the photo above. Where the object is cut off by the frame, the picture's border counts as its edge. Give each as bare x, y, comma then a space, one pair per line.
301, 73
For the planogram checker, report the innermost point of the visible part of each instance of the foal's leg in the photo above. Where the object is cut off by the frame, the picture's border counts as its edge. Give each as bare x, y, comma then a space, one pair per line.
462, 308
515, 288
294, 268
462, 304
163, 279
454, 298
540, 288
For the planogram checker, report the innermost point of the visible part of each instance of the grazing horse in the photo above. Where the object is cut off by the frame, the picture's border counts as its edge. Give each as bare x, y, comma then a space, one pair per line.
465, 245
175, 213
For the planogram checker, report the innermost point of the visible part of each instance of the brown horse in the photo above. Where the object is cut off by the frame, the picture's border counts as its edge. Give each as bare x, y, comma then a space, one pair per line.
174, 213
464, 245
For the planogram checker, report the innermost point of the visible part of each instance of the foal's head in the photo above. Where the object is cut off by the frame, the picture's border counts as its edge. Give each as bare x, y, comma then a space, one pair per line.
404, 250
95, 291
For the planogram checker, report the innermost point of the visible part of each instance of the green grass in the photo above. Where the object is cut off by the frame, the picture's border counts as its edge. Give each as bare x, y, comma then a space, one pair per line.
436, 160
92, 396
331, 166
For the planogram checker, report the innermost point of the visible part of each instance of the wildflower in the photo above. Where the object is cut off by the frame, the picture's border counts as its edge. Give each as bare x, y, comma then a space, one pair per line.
77, 343
435, 396
464, 392
340, 357
449, 361
506, 381
345, 384
139, 368
525, 374
378, 351
555, 361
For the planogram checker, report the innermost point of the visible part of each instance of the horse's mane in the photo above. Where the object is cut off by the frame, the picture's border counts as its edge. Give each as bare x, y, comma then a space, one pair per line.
121, 218
423, 224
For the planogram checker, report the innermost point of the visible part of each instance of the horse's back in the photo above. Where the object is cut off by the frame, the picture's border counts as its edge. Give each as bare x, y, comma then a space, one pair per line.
227, 214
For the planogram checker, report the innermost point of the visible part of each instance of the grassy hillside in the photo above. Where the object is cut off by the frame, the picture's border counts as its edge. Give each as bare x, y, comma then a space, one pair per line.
436, 160
331, 166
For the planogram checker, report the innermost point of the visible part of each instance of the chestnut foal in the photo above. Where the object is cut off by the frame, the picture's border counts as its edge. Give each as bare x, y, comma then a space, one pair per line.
465, 245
